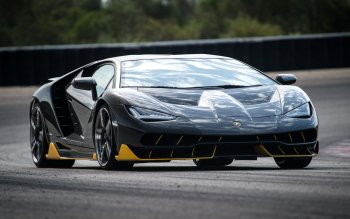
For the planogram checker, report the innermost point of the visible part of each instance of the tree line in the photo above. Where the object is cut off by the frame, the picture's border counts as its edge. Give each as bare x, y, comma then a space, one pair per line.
39, 22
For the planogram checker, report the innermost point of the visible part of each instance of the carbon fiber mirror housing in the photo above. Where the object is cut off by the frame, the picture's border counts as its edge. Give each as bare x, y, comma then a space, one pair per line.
286, 79
86, 83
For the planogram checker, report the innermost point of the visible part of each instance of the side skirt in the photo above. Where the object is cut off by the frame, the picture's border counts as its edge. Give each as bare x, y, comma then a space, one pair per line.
55, 154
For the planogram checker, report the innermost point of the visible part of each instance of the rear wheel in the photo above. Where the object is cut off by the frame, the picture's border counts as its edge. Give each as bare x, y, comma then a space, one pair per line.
293, 162
215, 162
105, 142
39, 144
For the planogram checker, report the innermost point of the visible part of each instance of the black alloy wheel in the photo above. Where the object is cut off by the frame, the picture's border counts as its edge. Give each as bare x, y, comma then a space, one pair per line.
37, 139
39, 144
105, 142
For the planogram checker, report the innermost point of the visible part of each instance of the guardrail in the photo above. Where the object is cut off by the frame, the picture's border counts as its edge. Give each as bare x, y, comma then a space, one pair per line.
32, 65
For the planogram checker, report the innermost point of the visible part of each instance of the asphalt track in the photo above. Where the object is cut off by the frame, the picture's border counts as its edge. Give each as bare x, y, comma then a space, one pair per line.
245, 189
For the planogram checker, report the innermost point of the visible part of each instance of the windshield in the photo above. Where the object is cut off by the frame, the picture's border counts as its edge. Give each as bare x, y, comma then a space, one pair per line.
187, 73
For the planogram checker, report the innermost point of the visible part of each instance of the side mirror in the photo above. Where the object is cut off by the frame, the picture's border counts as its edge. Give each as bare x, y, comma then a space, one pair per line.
286, 79
86, 83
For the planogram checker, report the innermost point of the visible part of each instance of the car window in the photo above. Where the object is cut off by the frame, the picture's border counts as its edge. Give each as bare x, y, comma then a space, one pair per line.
185, 73
103, 76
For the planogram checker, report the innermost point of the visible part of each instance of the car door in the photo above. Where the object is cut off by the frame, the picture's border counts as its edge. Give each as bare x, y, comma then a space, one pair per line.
81, 103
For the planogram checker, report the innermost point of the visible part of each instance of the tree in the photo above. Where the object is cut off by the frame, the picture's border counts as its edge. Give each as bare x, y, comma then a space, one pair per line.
33, 22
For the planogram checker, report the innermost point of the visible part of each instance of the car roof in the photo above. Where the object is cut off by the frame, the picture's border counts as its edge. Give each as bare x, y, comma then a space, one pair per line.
155, 56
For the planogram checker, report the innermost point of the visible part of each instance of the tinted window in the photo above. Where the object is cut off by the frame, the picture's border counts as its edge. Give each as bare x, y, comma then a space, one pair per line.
103, 76
190, 73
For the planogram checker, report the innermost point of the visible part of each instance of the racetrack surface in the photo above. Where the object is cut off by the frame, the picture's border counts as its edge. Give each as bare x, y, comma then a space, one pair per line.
178, 189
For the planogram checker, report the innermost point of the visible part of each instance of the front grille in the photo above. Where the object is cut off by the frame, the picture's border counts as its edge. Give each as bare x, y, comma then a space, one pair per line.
181, 152
169, 146
309, 135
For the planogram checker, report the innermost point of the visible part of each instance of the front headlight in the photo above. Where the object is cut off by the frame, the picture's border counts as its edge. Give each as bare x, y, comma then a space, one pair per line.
149, 115
303, 111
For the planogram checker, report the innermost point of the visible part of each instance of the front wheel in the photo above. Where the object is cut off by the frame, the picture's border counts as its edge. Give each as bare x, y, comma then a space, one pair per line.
214, 162
105, 141
293, 162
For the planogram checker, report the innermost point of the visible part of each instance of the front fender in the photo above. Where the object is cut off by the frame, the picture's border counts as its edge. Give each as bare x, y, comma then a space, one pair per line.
291, 97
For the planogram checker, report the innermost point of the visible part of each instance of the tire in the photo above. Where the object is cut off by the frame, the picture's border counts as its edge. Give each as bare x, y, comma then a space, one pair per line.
214, 162
124, 165
105, 141
39, 143
293, 162
62, 164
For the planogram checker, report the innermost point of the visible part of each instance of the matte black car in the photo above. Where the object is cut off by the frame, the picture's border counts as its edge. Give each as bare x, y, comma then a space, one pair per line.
158, 108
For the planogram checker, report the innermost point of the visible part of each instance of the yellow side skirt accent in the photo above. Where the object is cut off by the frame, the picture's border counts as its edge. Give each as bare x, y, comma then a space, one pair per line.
53, 154
125, 154
94, 156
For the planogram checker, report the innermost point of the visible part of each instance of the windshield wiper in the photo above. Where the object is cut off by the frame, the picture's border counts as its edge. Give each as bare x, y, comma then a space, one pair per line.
228, 86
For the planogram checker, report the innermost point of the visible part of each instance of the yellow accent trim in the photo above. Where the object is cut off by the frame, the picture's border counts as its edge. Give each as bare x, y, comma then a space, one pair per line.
262, 149
178, 142
279, 148
160, 137
94, 156
290, 137
53, 154
125, 154
192, 152
302, 135
214, 151
308, 150
296, 150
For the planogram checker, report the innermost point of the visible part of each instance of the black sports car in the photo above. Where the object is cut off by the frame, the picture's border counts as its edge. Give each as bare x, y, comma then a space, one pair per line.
158, 108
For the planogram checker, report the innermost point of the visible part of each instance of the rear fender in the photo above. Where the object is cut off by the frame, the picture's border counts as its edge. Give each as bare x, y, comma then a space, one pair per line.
43, 97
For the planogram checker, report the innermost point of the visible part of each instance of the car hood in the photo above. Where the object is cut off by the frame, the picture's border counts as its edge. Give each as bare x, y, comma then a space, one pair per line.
250, 102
